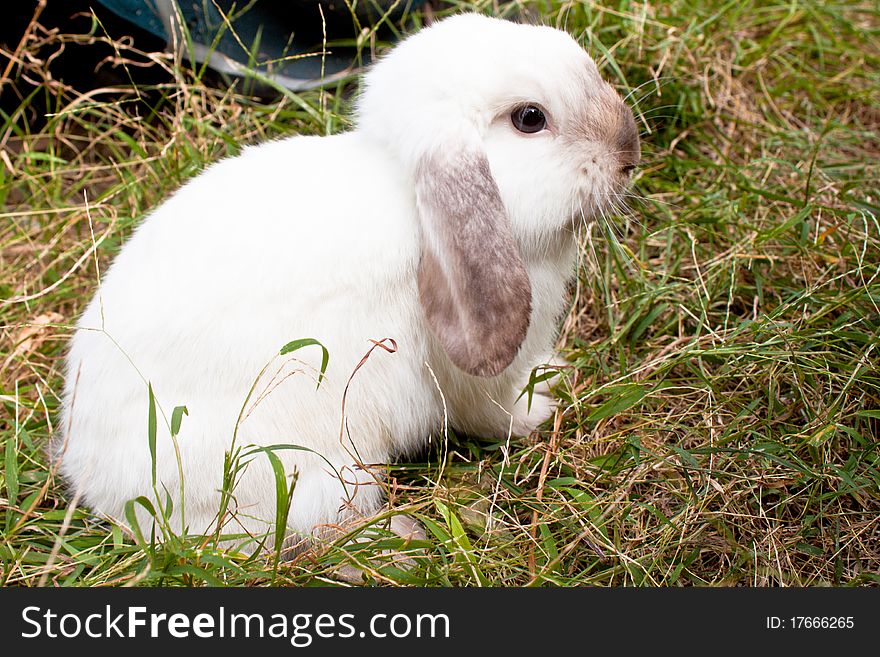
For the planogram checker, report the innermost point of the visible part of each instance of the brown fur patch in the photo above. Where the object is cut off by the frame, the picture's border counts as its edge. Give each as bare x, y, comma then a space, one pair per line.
473, 285
606, 118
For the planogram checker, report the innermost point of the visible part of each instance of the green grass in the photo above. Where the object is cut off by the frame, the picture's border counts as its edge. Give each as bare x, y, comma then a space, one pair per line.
719, 421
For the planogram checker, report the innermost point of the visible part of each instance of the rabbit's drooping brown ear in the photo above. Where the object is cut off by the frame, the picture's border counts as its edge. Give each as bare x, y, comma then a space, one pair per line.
473, 285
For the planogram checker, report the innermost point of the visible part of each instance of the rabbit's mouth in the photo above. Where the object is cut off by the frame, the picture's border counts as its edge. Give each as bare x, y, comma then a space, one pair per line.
603, 202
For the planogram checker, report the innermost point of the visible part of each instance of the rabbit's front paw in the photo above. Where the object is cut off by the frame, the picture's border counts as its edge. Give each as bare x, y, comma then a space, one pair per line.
526, 417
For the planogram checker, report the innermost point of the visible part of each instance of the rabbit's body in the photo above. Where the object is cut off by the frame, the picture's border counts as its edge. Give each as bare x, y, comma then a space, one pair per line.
216, 336
443, 243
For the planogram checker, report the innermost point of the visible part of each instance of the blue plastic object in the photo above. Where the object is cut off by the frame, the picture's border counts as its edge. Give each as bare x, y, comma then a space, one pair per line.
270, 40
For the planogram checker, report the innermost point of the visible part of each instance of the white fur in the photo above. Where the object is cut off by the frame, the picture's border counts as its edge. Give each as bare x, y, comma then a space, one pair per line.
317, 237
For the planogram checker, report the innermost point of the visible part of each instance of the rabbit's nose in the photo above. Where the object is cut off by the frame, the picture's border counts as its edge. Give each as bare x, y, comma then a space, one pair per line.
627, 140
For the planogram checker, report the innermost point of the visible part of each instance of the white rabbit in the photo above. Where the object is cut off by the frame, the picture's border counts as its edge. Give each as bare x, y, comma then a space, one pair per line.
445, 221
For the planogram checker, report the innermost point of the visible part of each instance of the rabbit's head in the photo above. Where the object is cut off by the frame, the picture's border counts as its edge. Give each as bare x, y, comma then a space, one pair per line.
512, 139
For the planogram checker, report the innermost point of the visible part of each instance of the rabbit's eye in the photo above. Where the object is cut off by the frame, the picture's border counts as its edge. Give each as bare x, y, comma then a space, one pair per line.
528, 119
